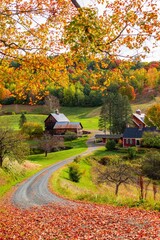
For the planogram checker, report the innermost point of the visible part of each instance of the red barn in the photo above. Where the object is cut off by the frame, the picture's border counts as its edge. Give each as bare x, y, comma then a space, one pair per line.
58, 124
53, 118
138, 119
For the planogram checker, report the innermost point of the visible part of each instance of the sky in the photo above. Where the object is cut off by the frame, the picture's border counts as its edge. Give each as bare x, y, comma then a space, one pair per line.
154, 55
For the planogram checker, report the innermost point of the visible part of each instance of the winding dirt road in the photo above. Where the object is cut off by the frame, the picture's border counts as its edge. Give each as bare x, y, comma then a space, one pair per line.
35, 192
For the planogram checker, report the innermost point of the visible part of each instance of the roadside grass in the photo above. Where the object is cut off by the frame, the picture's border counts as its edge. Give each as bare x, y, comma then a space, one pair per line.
88, 190
8, 179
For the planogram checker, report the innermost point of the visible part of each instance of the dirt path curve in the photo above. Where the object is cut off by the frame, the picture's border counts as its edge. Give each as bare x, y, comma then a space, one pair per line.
35, 192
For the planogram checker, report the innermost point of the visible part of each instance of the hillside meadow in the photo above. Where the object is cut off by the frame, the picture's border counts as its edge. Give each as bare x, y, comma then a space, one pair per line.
10, 114
87, 116
87, 189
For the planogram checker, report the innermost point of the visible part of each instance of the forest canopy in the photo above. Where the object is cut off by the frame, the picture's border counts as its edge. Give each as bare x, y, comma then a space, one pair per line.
55, 43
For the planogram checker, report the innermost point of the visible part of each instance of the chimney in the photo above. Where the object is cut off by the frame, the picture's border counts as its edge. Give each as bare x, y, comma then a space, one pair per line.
138, 111
57, 111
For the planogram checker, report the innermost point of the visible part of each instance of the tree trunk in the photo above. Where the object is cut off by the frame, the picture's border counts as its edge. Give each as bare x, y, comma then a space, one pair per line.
116, 190
1, 161
154, 190
75, 3
46, 153
141, 185
146, 189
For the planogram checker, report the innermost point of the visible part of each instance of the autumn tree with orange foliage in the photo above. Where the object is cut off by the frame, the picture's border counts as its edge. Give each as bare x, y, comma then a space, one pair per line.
32, 30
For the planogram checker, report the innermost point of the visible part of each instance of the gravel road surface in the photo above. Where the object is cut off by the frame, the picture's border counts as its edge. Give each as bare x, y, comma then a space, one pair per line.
35, 192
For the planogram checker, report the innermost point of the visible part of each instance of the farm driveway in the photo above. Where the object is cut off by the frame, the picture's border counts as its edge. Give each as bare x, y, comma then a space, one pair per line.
35, 192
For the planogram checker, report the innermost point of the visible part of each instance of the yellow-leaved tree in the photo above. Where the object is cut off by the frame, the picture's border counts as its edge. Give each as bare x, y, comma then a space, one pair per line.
34, 33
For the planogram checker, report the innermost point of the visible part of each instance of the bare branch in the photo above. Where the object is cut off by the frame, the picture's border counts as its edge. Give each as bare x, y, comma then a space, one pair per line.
75, 3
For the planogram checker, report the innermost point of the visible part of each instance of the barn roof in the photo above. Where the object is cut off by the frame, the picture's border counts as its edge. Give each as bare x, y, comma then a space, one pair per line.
59, 117
136, 132
140, 116
67, 125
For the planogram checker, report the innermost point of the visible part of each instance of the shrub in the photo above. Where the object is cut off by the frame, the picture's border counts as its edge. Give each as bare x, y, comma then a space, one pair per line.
69, 136
132, 152
110, 145
32, 129
104, 161
77, 159
74, 172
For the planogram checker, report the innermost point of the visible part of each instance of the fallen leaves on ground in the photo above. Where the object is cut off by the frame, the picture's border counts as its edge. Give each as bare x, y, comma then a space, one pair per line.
80, 221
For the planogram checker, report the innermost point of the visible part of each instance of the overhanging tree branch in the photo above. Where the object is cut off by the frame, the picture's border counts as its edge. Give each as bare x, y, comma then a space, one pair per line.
75, 3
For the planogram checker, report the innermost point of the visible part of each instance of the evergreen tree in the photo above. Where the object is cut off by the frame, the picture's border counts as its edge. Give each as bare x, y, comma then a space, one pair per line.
22, 120
106, 112
115, 113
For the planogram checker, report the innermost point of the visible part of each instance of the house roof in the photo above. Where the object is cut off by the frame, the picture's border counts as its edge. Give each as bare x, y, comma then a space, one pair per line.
107, 136
59, 117
67, 125
136, 132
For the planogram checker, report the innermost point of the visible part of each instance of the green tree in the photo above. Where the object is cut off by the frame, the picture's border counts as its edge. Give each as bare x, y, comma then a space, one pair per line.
121, 114
69, 96
106, 113
32, 129
116, 112
22, 120
12, 145
110, 145
151, 139
103, 119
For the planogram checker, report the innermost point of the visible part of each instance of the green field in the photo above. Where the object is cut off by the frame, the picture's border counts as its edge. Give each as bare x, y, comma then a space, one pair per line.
87, 116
